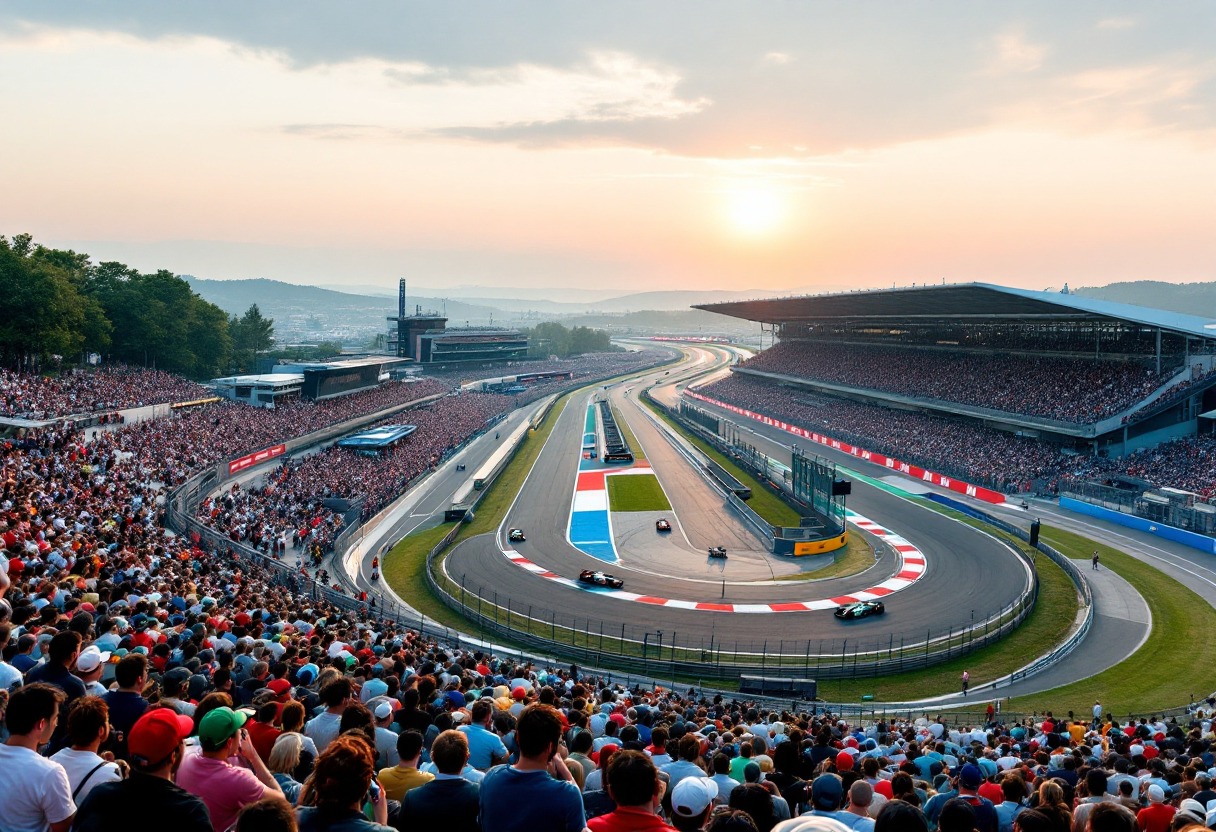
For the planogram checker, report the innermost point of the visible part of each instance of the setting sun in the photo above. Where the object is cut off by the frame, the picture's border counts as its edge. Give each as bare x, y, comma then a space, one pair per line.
756, 212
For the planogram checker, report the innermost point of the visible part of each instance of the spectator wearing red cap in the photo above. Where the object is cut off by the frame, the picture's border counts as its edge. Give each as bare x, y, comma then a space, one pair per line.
148, 798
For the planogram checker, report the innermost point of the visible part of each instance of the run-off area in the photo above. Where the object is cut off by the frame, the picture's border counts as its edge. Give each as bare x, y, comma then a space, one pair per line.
636, 492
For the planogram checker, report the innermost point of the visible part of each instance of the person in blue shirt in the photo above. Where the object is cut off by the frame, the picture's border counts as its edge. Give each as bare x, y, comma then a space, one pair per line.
485, 747
537, 794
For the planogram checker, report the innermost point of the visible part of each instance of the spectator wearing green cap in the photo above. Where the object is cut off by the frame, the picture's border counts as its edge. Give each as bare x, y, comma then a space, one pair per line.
226, 788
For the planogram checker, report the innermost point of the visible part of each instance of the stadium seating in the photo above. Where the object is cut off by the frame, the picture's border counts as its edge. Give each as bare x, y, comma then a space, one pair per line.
1075, 390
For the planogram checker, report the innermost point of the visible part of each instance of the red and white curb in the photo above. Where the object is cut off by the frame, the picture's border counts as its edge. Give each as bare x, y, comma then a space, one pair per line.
912, 569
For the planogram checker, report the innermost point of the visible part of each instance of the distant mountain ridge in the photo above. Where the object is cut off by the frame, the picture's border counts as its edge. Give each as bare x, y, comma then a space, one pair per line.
1187, 298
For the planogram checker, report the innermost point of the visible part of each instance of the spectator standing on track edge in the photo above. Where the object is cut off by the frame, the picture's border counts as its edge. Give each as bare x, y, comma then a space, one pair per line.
966, 681
1095, 559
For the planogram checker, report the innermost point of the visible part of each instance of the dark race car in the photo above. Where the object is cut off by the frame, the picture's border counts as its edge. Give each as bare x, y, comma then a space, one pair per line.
662, 525
600, 579
516, 536
861, 609
717, 552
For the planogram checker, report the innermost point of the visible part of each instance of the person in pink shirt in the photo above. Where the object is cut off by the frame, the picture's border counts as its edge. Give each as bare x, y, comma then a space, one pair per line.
226, 788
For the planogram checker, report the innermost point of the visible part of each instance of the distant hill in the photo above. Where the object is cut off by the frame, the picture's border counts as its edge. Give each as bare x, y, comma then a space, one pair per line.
665, 322
1188, 298
278, 299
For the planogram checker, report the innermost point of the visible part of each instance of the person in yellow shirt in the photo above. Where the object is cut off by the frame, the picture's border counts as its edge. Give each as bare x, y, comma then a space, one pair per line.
399, 779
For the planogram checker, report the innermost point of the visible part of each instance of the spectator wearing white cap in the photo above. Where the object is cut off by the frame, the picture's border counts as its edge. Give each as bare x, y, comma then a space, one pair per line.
1158, 815
89, 666
691, 802
386, 738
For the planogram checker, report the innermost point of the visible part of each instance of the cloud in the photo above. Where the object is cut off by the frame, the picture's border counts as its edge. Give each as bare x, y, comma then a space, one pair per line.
1014, 53
685, 77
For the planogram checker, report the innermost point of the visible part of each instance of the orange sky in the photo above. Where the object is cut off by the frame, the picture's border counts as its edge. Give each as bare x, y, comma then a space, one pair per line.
824, 151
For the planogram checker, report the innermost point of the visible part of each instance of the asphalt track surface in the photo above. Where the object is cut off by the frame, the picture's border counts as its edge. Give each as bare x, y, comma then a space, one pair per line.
969, 574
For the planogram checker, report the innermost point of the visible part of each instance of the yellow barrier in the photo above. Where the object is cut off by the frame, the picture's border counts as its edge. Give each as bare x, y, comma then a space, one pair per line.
819, 547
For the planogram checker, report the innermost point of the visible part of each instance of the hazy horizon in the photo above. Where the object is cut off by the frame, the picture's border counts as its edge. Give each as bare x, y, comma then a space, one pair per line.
664, 146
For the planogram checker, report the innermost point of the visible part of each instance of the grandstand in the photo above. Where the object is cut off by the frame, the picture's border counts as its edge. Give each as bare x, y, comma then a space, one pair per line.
1094, 376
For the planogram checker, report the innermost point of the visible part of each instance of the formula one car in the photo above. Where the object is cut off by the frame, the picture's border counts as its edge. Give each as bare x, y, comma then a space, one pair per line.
861, 609
662, 525
516, 536
600, 579
717, 552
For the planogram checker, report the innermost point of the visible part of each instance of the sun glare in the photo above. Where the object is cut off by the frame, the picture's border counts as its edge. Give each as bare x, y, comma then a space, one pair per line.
756, 212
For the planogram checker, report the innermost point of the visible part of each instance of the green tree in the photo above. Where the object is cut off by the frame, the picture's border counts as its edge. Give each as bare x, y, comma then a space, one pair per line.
551, 338
251, 333
44, 314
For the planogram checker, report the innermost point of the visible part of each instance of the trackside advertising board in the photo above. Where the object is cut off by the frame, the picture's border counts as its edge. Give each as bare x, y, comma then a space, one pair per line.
966, 488
256, 458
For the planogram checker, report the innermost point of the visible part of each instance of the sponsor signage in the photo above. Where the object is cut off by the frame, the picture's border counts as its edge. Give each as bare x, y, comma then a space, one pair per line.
976, 491
256, 458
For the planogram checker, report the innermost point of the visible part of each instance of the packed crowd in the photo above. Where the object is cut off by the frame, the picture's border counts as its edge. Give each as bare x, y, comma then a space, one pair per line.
290, 510
170, 450
152, 689
955, 448
30, 396
145, 681
1074, 390
966, 450
1188, 463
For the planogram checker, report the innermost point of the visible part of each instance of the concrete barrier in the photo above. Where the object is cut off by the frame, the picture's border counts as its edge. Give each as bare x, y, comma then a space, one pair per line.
1196, 541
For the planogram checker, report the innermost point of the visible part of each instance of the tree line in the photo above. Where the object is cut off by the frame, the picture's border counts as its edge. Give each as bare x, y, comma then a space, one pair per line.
62, 306
551, 338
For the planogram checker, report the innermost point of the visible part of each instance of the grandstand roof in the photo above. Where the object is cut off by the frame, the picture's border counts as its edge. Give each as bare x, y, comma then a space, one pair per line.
959, 301
377, 438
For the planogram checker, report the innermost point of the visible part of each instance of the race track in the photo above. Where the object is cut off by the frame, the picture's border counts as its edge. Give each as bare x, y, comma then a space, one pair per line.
969, 575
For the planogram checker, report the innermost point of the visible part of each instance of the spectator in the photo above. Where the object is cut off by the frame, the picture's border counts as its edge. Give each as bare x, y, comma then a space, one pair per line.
726, 819
537, 794
970, 779
88, 729
405, 776
634, 784
449, 801
690, 753
1111, 817
691, 802
57, 670
283, 761
225, 788
323, 728
341, 785
1157, 815
957, 816
900, 816
36, 791
756, 801
485, 747
860, 796
270, 814
148, 797
1013, 792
